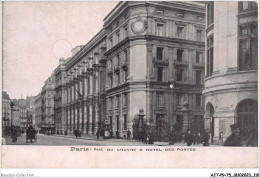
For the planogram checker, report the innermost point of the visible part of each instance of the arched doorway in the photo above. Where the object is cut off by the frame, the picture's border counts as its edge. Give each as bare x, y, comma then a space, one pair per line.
247, 111
210, 122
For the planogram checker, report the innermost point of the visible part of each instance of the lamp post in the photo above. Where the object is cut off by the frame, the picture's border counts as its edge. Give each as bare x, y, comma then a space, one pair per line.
186, 119
141, 118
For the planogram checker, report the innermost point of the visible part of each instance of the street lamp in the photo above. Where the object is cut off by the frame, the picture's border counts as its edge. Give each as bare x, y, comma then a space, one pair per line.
186, 111
141, 117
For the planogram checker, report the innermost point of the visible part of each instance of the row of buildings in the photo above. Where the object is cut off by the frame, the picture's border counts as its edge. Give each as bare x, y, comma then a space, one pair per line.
14, 115
178, 63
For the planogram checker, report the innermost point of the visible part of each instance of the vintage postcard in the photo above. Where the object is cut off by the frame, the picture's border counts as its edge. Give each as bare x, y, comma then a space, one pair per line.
130, 84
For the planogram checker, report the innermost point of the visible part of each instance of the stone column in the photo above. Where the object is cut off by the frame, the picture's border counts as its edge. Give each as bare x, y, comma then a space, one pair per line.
68, 119
76, 117
90, 118
84, 124
72, 119
80, 116
96, 117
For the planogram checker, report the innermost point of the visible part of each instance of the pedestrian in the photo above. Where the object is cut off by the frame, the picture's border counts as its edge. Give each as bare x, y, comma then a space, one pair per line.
147, 139
76, 133
14, 135
198, 139
128, 134
220, 139
188, 138
172, 137
117, 134
111, 134
252, 139
151, 139
97, 134
205, 138
235, 139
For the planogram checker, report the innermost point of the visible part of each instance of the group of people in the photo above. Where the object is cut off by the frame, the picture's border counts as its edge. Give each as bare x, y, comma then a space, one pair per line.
197, 138
146, 137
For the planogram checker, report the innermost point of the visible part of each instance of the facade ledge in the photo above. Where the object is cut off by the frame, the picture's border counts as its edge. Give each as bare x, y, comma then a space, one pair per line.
161, 62
181, 63
198, 66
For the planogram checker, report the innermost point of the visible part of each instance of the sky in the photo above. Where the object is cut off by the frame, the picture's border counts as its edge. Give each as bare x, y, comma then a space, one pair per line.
37, 34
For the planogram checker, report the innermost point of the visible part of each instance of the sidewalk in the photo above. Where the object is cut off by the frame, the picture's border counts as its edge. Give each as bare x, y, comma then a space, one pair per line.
94, 138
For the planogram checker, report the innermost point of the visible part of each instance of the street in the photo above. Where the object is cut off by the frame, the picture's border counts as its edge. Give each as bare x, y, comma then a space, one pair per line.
63, 140
55, 140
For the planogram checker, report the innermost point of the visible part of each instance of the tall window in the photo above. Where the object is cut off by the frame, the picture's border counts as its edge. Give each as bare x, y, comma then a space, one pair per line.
179, 75
179, 55
117, 60
210, 13
247, 6
160, 74
125, 99
118, 78
118, 37
179, 32
210, 56
125, 32
179, 99
198, 100
159, 53
199, 35
109, 65
125, 56
198, 77
111, 42
111, 80
159, 98
125, 74
125, 122
159, 29
198, 57
117, 102
248, 47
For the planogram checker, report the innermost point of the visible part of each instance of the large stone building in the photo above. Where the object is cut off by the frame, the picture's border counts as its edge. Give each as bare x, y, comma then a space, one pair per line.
23, 118
38, 110
6, 110
60, 98
47, 105
231, 67
150, 56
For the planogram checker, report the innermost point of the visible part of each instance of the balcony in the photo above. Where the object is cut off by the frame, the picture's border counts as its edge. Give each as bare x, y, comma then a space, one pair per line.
181, 63
164, 62
198, 66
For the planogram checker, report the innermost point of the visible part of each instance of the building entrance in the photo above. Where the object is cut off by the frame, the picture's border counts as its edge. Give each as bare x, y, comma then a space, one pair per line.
247, 117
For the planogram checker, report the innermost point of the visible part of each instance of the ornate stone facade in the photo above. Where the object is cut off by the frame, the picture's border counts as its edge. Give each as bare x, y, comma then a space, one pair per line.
231, 67
130, 64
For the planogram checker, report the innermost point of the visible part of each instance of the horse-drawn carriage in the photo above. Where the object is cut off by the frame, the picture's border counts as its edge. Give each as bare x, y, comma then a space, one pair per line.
31, 134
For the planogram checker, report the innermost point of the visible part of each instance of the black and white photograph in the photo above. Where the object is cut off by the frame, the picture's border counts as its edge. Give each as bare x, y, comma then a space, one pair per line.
144, 74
